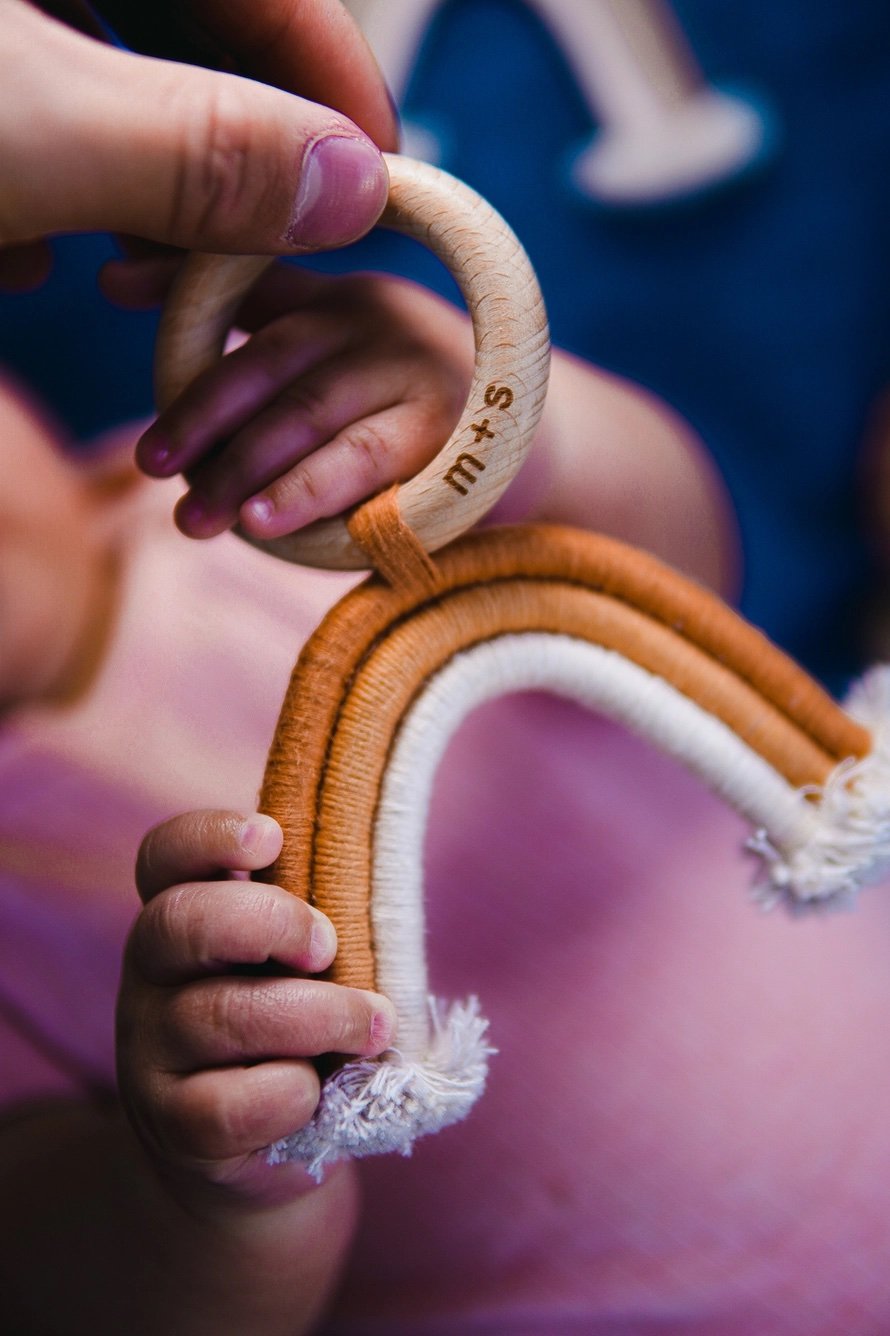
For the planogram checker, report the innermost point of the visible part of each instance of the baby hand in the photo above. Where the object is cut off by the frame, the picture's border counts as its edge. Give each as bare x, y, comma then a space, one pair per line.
217, 1019
348, 385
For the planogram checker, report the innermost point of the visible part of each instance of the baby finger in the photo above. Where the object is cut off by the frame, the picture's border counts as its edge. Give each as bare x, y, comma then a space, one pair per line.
207, 927
217, 1022
362, 459
231, 1112
311, 411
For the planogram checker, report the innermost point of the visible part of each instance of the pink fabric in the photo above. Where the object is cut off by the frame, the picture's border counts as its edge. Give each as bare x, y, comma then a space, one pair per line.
685, 1129
686, 1125
181, 717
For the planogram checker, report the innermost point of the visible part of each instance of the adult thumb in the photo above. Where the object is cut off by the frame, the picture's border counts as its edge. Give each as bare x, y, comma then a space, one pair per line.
95, 138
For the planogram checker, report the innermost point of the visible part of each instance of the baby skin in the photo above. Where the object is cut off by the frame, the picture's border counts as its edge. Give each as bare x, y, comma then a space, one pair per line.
346, 386
351, 384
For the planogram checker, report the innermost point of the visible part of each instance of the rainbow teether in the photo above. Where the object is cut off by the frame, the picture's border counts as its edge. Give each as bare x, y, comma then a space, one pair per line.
395, 667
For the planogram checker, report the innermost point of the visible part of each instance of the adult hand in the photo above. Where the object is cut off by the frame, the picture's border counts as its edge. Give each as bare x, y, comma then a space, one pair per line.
96, 138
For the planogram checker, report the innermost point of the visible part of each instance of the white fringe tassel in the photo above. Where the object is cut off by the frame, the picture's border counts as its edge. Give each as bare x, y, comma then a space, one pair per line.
374, 1106
851, 844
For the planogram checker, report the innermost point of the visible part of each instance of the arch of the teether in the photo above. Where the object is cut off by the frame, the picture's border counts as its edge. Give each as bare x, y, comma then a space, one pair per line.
596, 678
371, 657
393, 673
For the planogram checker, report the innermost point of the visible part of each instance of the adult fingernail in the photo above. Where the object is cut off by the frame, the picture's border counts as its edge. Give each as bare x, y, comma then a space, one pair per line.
343, 187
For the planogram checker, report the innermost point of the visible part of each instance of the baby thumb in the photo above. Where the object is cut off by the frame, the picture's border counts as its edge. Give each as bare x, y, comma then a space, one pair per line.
95, 138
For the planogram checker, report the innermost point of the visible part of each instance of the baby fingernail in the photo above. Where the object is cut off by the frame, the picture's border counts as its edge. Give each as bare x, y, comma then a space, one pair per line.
383, 1023
196, 518
342, 189
259, 509
261, 834
190, 511
322, 941
153, 454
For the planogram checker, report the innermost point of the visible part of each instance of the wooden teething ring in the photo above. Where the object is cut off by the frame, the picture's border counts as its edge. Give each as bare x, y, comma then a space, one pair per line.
509, 381
396, 665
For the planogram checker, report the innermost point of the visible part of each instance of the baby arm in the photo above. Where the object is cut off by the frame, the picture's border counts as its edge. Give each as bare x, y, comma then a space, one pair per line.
184, 1226
355, 383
